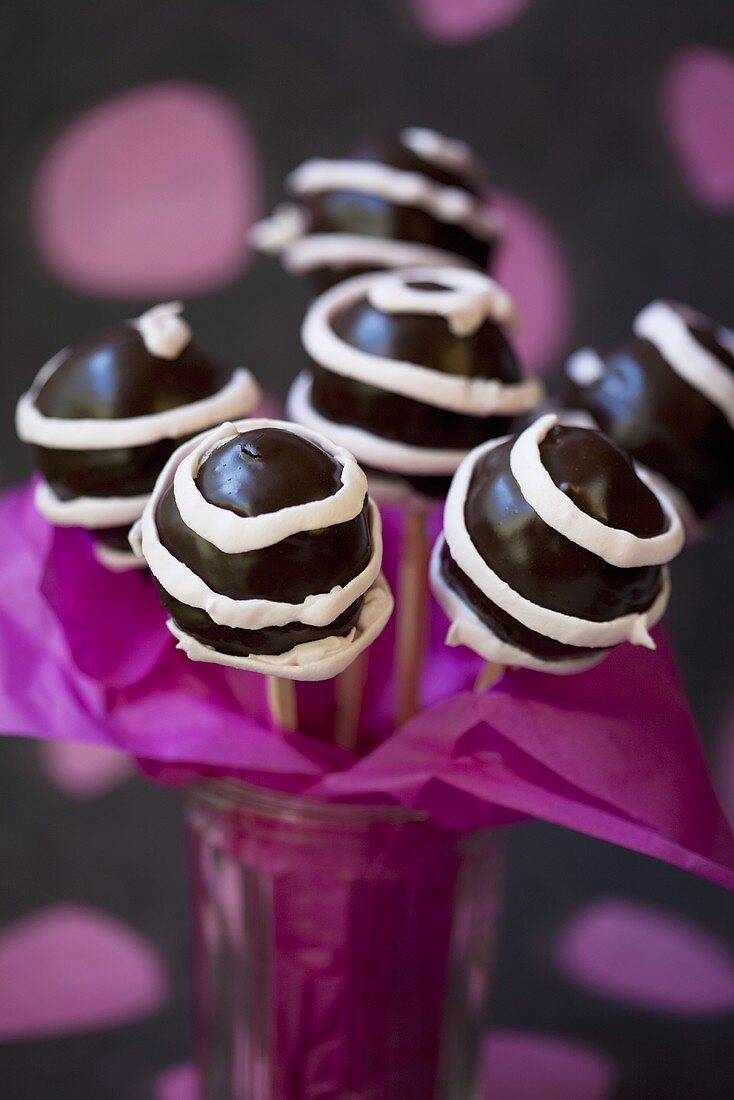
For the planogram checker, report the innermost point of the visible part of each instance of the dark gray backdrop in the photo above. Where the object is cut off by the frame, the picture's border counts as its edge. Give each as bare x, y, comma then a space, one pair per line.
563, 105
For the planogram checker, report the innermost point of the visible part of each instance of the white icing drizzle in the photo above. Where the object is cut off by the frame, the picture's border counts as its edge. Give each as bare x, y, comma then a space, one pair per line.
117, 561
165, 333
236, 398
370, 449
467, 298
234, 534
274, 234
451, 205
445, 152
667, 330
307, 661
467, 629
585, 367
557, 510
317, 660
87, 511
470, 396
338, 251
567, 629
318, 609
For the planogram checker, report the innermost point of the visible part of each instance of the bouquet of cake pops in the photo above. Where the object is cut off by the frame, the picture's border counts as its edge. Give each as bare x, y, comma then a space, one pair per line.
421, 549
515, 535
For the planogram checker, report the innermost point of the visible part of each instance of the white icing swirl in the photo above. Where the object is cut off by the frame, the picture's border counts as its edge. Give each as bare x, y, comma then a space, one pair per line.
435, 148
451, 205
373, 450
585, 367
467, 629
557, 510
236, 534
239, 395
478, 397
117, 561
87, 512
567, 629
165, 333
666, 329
340, 251
282, 228
466, 299
318, 660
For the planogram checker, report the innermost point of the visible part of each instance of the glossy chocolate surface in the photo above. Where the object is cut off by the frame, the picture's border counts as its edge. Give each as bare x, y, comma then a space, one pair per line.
121, 472
371, 216
391, 150
662, 421
115, 376
256, 473
266, 469
425, 340
541, 564
501, 624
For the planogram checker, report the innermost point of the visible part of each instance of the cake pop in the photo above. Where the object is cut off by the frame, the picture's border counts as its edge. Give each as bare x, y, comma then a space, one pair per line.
410, 370
106, 414
667, 398
415, 198
553, 550
266, 551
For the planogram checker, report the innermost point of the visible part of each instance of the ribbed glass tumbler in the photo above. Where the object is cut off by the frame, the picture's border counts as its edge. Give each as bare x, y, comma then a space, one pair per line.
341, 952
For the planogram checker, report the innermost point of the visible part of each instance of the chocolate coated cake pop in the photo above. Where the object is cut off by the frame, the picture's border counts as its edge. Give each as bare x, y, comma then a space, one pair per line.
667, 397
106, 414
410, 370
267, 551
553, 550
415, 198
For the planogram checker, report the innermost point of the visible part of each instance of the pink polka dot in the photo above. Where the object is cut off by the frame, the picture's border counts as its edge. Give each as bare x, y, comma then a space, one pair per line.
83, 771
698, 113
70, 968
149, 193
526, 1066
532, 266
461, 20
648, 958
177, 1083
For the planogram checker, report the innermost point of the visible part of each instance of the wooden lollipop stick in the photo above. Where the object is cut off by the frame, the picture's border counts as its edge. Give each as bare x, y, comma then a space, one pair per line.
412, 602
349, 694
490, 674
282, 703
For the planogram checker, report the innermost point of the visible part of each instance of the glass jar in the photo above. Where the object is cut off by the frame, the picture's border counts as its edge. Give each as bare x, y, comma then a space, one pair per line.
341, 952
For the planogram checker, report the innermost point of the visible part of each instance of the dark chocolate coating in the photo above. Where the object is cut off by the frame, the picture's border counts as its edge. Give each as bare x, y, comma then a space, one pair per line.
662, 421
371, 216
113, 376
541, 564
425, 340
114, 538
501, 624
391, 150
258, 472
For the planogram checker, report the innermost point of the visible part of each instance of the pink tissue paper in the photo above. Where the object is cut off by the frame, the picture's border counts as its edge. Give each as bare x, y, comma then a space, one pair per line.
613, 752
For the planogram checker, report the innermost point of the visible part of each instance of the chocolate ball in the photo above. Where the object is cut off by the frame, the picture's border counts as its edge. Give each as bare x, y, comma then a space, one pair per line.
241, 570
411, 370
553, 591
105, 416
667, 397
414, 197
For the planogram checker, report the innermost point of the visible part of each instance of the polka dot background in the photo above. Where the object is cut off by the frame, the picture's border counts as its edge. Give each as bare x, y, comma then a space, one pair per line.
139, 149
